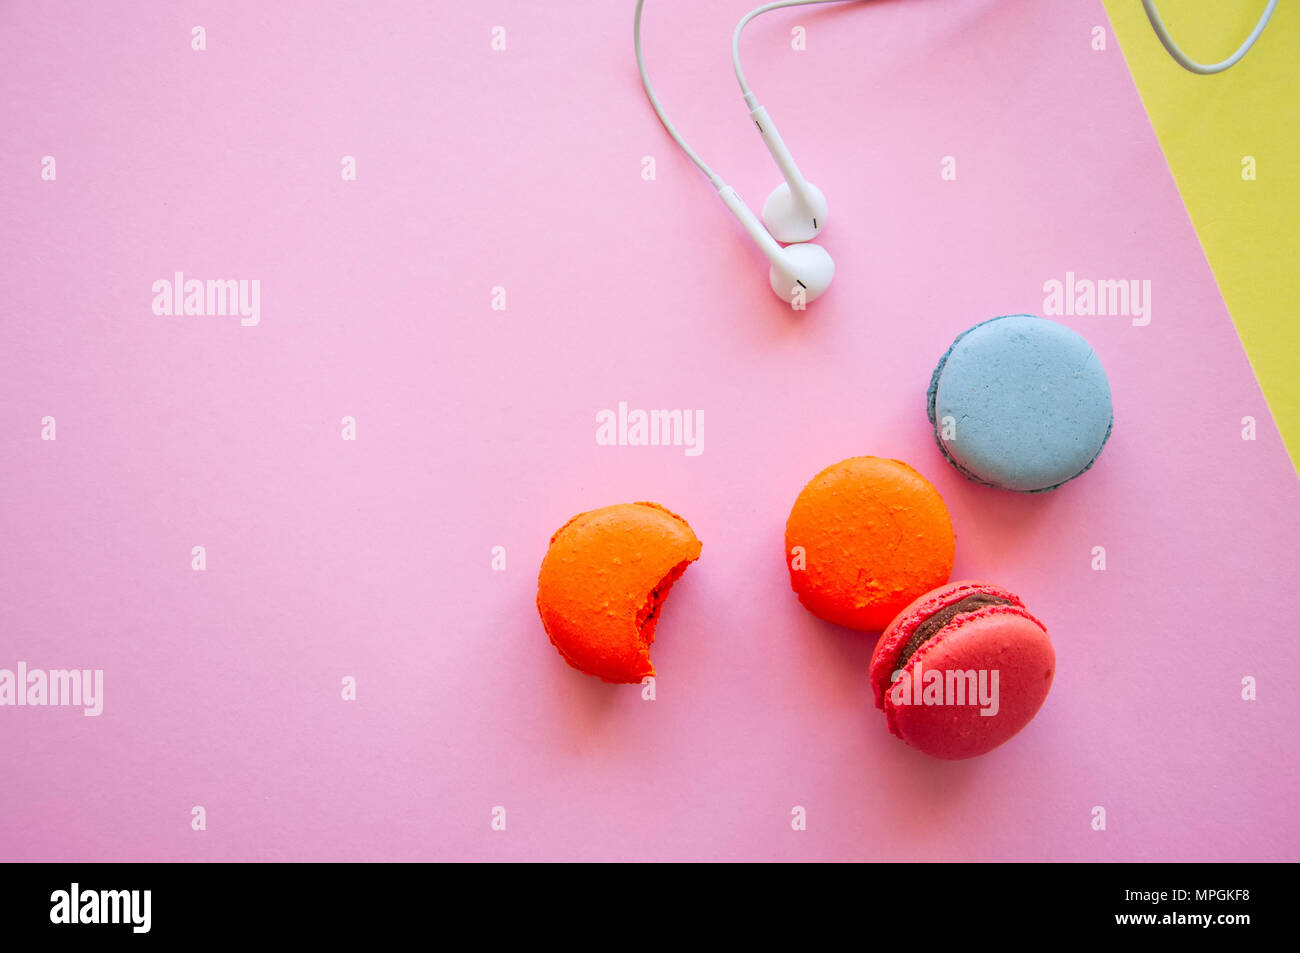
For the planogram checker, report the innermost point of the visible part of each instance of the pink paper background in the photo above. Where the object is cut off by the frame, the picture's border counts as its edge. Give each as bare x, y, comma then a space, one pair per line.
476, 428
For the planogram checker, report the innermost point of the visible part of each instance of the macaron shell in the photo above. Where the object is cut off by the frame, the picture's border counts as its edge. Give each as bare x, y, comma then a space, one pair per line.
885, 656
874, 534
1027, 400
596, 590
1005, 639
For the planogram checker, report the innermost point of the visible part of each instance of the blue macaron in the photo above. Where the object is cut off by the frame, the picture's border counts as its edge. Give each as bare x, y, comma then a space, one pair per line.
1021, 403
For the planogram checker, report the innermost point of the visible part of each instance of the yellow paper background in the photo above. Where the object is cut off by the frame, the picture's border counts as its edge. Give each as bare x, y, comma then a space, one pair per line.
1206, 125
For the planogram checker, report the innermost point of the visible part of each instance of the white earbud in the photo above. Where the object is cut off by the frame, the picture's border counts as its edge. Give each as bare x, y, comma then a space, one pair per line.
802, 271
796, 209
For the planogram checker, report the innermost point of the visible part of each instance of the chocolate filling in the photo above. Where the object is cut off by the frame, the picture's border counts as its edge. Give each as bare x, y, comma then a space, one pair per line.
931, 626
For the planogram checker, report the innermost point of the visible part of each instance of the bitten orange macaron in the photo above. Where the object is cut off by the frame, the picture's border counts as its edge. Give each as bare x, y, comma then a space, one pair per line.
603, 581
865, 538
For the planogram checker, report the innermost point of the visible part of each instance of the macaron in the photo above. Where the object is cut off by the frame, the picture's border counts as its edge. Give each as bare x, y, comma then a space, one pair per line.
1021, 403
865, 537
973, 668
603, 581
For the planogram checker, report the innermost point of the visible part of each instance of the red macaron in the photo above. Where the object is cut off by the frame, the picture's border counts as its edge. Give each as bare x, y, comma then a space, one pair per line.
974, 667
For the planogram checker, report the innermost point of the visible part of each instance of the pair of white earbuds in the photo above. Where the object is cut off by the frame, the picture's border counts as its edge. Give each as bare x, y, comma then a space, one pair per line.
795, 211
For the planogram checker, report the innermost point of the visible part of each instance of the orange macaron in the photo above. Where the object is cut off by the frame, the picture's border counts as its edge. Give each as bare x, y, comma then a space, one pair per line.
865, 538
603, 581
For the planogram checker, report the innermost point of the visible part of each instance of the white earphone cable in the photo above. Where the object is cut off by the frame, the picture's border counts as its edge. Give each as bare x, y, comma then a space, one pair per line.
735, 58
1182, 59
740, 27
1157, 24
654, 101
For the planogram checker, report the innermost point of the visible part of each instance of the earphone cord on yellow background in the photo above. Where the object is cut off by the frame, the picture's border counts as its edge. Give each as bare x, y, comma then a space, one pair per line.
1157, 24
1182, 59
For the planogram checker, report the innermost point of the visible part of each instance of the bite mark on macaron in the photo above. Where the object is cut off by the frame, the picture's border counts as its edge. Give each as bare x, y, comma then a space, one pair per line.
648, 617
603, 583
